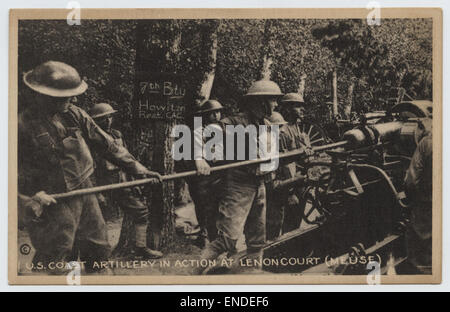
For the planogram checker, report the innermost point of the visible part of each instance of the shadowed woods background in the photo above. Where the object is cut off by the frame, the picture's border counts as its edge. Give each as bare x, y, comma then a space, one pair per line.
219, 59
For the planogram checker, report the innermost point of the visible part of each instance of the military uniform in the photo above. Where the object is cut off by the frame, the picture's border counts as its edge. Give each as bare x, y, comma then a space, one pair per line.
242, 205
205, 192
419, 189
282, 204
275, 198
54, 156
291, 138
130, 200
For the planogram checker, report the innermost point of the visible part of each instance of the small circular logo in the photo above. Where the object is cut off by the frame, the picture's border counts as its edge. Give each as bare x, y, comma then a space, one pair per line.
25, 249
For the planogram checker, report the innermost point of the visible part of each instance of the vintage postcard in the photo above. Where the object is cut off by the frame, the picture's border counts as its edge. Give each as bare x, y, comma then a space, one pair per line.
225, 146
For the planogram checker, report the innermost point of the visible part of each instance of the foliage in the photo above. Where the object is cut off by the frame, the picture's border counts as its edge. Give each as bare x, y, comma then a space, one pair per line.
103, 52
107, 54
396, 53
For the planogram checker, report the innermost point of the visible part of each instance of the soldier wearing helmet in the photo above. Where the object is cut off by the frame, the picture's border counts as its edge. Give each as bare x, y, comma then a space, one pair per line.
130, 200
275, 197
210, 111
103, 113
292, 107
242, 206
293, 103
55, 141
264, 94
205, 189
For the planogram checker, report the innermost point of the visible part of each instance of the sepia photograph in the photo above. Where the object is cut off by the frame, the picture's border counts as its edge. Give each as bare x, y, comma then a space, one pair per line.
225, 146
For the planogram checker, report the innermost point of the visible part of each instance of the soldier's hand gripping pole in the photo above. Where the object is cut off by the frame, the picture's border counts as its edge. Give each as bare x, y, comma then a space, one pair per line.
129, 184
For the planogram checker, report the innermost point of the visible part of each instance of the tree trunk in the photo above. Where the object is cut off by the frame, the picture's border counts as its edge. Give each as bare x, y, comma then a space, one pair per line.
266, 72
162, 216
301, 85
266, 58
349, 103
400, 95
162, 220
206, 85
335, 94
157, 50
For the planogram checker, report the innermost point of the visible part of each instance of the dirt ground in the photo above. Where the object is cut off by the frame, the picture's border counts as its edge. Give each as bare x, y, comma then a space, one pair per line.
182, 258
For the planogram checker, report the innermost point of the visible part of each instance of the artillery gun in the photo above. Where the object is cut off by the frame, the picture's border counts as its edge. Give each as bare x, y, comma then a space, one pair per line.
334, 129
355, 211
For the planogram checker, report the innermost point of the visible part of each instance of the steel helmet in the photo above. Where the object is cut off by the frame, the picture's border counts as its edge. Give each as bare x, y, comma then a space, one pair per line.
209, 106
101, 110
277, 119
264, 87
55, 79
292, 98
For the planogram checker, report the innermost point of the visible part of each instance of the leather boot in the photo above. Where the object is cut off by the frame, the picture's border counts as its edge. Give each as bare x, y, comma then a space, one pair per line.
141, 249
147, 253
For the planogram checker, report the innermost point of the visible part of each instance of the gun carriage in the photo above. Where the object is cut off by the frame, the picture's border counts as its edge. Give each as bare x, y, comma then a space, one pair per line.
355, 209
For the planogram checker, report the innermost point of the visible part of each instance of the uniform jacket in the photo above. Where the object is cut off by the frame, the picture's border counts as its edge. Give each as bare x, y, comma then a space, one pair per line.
107, 172
419, 175
291, 138
54, 152
419, 188
240, 119
245, 120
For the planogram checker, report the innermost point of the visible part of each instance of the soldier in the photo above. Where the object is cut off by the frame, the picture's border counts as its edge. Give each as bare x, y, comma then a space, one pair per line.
291, 137
54, 156
130, 200
275, 198
419, 190
205, 190
242, 206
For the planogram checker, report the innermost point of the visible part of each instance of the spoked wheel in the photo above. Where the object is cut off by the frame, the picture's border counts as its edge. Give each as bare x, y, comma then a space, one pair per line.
313, 211
313, 199
316, 134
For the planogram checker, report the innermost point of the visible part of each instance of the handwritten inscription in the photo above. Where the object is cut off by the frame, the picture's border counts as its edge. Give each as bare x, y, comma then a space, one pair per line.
148, 110
166, 88
160, 98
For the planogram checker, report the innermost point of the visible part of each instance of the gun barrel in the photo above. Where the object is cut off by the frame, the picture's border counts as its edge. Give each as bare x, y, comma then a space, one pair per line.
368, 135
